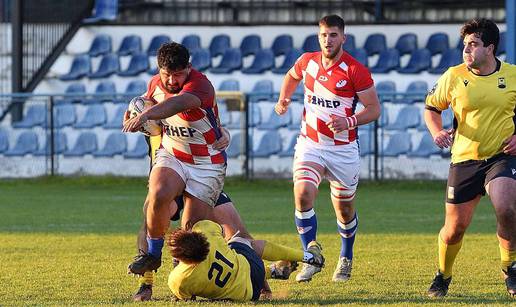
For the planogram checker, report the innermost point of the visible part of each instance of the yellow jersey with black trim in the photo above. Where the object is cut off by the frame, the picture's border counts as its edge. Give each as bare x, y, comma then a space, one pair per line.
483, 107
224, 274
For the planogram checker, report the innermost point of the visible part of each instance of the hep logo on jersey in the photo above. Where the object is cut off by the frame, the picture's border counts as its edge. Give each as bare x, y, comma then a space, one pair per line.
327, 103
179, 131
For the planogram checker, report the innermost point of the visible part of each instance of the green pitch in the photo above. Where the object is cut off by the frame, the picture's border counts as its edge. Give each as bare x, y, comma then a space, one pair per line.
67, 241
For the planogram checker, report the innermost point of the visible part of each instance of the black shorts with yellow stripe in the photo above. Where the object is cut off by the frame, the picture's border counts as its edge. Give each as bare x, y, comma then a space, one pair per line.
468, 179
223, 199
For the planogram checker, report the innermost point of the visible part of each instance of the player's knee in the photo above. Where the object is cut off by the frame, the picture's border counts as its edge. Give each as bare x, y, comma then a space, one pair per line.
304, 198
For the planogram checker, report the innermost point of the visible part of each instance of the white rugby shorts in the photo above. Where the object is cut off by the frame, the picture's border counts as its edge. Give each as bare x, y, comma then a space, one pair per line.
204, 182
341, 163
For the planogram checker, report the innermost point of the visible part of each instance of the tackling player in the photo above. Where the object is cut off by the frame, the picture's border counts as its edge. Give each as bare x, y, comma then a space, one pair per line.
327, 147
212, 268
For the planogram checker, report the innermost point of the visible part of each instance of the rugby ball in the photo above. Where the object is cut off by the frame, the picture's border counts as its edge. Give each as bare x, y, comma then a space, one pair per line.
136, 106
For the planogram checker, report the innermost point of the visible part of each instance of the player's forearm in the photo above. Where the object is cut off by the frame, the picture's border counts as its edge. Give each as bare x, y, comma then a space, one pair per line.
171, 107
434, 122
288, 87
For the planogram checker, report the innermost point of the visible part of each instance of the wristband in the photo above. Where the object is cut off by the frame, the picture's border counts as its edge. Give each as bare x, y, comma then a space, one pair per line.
352, 121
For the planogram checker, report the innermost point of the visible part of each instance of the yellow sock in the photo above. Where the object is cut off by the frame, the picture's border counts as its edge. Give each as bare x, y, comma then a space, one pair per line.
447, 254
267, 273
506, 257
147, 278
275, 252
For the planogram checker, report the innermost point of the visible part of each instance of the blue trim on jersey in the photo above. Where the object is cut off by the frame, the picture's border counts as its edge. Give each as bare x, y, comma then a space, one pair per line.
213, 121
255, 264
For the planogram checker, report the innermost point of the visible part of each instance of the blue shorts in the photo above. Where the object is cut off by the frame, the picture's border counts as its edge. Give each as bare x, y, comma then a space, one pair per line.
223, 199
256, 264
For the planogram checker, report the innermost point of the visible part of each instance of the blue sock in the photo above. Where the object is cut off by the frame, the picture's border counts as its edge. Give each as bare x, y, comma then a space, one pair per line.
155, 246
347, 234
306, 223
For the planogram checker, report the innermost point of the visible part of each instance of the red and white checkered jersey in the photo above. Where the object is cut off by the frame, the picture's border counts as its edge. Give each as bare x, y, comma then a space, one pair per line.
331, 91
189, 135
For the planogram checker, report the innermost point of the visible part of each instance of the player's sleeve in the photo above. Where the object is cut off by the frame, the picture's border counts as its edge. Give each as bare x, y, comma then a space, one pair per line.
438, 98
209, 228
297, 70
203, 89
361, 78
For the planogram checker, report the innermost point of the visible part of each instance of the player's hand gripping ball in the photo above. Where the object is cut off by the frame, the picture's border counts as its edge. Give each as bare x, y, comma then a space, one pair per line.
136, 106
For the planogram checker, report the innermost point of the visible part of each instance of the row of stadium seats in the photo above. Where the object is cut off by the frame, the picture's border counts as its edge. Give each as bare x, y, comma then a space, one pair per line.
264, 144
264, 58
262, 116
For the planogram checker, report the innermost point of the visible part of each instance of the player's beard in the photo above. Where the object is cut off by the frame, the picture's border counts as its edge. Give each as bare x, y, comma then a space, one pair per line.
331, 55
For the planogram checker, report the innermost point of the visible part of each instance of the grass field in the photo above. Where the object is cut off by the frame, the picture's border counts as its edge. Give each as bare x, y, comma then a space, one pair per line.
67, 241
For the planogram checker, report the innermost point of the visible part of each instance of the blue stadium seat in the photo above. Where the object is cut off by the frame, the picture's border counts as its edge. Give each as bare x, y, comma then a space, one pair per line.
290, 59
229, 85
86, 144
360, 54
231, 60
36, 115
460, 44
384, 116
426, 147
136, 87
64, 115
104, 10
416, 91
266, 144
101, 45
131, 44
224, 115
408, 117
389, 60
81, 67
288, 151
201, 59
153, 70
156, 42
262, 90
108, 65
116, 121
140, 150
365, 142
282, 44
263, 61
219, 44
116, 144
375, 43
299, 93
349, 45
192, 42
437, 43
95, 116
60, 145
235, 120
399, 144
255, 118
386, 90
296, 115
104, 91
502, 45
420, 60
139, 63
74, 88
311, 43
271, 120
26, 143
250, 45
450, 57
233, 149
4, 140
406, 43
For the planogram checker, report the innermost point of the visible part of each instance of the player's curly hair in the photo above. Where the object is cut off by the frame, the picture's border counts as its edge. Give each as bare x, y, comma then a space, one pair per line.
188, 247
485, 28
332, 21
173, 56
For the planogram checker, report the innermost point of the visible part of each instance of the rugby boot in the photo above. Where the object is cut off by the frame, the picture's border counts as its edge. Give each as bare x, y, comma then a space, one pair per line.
510, 279
143, 294
439, 286
282, 269
144, 263
343, 270
314, 265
